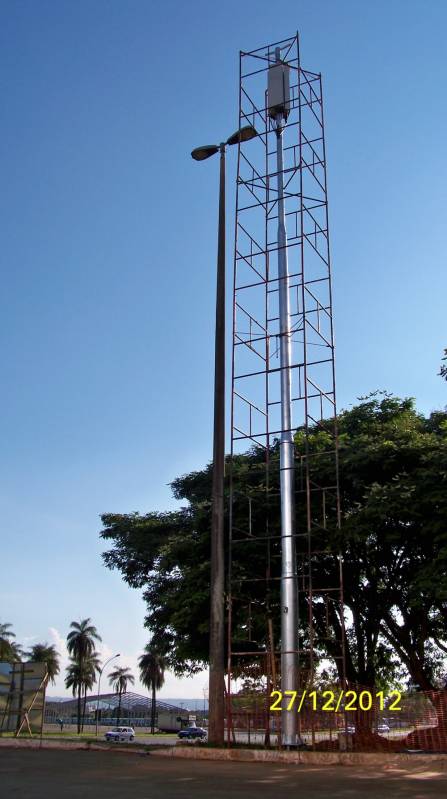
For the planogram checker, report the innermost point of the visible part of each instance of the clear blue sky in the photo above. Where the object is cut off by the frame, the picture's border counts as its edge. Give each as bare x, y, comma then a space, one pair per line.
108, 256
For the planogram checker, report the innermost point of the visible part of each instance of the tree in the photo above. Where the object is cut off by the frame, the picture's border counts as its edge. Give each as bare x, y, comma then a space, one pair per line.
81, 646
10, 651
119, 679
443, 371
393, 481
46, 653
152, 675
167, 554
394, 542
81, 677
5, 632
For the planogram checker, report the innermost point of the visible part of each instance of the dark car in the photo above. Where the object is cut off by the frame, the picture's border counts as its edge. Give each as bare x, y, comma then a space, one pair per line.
193, 732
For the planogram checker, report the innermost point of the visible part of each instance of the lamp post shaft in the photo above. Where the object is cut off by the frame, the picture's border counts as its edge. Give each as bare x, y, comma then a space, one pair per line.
99, 688
217, 630
97, 701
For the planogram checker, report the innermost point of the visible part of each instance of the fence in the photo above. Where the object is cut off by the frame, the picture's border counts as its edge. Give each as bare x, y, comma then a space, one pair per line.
357, 719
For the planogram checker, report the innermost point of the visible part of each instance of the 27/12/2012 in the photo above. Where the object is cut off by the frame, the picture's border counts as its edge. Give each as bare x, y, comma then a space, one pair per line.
332, 702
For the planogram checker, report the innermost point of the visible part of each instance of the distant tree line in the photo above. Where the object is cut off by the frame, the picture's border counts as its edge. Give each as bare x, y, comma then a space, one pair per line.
84, 665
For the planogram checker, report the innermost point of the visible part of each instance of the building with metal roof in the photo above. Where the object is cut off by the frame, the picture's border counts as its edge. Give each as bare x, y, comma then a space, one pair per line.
134, 710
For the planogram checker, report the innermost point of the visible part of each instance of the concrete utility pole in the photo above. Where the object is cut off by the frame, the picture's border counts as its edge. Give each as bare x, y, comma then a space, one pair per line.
216, 731
216, 724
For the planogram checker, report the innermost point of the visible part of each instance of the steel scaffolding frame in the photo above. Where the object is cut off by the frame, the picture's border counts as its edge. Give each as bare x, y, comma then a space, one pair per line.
256, 373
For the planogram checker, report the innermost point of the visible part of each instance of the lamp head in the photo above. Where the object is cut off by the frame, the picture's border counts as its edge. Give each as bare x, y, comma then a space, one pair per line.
243, 134
200, 153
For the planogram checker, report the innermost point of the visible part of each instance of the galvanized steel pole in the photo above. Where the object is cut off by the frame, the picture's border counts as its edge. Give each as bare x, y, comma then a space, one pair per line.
289, 592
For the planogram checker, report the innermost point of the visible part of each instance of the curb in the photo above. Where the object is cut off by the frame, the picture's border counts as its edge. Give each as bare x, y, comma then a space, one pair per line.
36, 743
382, 759
309, 758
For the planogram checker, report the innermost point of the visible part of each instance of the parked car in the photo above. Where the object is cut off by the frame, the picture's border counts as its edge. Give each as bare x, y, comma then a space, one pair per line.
193, 732
383, 728
120, 734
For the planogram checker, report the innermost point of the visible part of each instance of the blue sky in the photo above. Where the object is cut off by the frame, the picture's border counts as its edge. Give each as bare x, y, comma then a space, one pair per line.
108, 258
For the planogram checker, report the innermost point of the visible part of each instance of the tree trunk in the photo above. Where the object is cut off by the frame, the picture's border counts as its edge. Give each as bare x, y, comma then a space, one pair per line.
153, 710
83, 708
431, 738
79, 708
364, 719
43, 705
401, 642
119, 708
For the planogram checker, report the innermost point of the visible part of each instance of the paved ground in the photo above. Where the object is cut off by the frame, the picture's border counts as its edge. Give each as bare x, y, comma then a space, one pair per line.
109, 775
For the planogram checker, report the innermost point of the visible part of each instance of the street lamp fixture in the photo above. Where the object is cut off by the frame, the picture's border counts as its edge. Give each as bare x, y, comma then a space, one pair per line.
200, 153
243, 134
99, 687
217, 631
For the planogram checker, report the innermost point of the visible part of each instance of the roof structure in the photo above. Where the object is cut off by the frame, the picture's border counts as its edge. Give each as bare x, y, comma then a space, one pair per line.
129, 701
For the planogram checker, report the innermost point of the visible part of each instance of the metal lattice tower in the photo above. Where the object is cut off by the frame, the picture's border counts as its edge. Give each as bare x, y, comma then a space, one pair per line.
283, 346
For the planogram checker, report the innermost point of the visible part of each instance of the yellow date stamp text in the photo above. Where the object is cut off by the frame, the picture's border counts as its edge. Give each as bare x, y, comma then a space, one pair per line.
334, 701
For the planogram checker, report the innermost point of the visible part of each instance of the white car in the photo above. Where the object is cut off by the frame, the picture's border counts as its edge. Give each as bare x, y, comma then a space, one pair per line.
120, 734
383, 728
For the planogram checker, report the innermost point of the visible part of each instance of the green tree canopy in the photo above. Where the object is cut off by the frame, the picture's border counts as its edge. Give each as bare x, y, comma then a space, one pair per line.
443, 371
10, 651
81, 678
393, 483
119, 679
46, 653
81, 639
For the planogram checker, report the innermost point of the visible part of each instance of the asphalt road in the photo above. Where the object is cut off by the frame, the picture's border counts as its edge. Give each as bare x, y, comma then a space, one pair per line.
48, 774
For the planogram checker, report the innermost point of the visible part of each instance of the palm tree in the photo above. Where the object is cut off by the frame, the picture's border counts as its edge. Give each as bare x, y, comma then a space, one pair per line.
119, 679
152, 675
81, 678
9, 650
92, 666
46, 653
81, 646
4, 632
